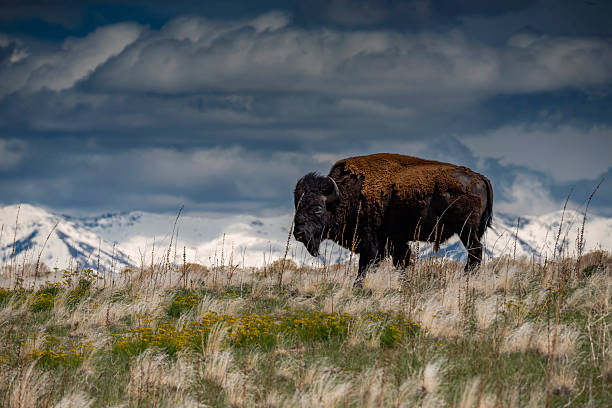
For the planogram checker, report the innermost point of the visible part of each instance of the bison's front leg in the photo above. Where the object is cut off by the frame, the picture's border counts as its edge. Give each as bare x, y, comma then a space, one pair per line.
361, 273
367, 257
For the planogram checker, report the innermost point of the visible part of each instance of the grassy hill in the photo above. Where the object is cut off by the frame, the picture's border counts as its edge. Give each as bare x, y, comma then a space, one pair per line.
515, 333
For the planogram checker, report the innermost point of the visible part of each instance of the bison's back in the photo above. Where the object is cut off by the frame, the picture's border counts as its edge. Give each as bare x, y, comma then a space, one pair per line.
407, 178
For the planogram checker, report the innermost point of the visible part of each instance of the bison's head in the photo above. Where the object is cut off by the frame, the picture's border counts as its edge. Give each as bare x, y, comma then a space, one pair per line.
313, 197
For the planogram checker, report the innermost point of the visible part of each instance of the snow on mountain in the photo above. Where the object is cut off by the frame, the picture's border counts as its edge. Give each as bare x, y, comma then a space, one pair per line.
248, 240
68, 244
251, 240
538, 235
206, 238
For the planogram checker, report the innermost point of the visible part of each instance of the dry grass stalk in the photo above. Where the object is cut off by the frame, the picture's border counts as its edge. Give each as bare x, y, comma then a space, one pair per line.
451, 309
580, 237
28, 386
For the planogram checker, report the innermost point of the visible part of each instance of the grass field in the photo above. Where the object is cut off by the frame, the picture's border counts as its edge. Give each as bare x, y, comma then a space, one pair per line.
515, 333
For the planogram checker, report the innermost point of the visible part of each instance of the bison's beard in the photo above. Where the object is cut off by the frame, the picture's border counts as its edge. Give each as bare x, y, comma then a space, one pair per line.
313, 247
311, 239
311, 244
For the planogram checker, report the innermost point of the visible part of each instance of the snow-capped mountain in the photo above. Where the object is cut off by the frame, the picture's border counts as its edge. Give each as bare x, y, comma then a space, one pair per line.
254, 240
206, 238
216, 238
25, 229
536, 236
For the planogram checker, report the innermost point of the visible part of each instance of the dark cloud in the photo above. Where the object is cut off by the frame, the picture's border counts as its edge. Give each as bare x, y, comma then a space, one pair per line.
54, 20
154, 178
67, 13
263, 79
574, 18
408, 14
491, 22
227, 113
77, 17
365, 13
267, 55
481, 7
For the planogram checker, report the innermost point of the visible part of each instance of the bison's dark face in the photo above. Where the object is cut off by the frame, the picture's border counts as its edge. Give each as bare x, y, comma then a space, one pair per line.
313, 197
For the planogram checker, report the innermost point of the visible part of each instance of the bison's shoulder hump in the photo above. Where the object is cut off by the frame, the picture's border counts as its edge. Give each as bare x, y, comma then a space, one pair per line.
375, 162
409, 177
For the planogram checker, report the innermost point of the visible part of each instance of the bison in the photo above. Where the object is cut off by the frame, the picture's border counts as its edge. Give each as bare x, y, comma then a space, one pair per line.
374, 205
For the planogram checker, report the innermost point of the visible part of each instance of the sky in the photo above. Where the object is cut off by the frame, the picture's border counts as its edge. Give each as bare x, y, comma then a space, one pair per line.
111, 106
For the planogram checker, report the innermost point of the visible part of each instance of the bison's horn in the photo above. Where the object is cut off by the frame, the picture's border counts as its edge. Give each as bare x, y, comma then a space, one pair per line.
334, 194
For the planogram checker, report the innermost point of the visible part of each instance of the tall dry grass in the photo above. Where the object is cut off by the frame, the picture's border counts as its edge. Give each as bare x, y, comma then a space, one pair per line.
515, 332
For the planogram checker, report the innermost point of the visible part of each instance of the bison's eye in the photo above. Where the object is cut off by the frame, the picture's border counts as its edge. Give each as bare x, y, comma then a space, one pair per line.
318, 211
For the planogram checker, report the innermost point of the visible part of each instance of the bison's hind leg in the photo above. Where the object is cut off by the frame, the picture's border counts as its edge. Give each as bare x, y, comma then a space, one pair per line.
473, 245
401, 255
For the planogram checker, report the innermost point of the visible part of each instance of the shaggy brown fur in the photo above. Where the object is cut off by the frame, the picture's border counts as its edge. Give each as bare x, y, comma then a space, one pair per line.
410, 178
386, 200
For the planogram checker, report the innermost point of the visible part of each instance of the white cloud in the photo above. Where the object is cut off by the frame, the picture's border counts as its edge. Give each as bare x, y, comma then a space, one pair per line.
270, 21
60, 68
194, 54
235, 57
527, 196
541, 63
565, 152
204, 32
368, 107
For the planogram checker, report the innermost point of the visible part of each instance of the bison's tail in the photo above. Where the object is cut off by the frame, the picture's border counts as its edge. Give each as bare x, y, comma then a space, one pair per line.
487, 215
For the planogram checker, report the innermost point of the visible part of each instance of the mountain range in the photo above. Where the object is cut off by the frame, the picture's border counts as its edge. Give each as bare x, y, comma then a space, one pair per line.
29, 234
117, 240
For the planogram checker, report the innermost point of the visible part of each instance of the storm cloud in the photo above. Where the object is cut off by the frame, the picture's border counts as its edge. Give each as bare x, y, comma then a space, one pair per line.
226, 113
266, 54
